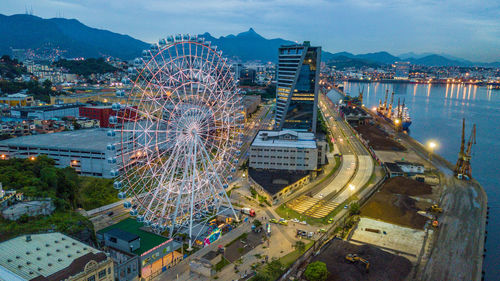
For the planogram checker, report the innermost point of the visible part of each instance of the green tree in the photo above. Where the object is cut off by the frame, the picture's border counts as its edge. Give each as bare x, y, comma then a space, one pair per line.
257, 223
274, 268
354, 209
47, 85
300, 246
316, 271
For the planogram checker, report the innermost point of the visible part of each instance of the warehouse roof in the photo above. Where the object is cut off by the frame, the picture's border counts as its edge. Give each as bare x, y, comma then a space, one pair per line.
31, 256
87, 140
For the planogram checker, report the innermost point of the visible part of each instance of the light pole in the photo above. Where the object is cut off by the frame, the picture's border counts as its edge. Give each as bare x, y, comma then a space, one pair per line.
432, 145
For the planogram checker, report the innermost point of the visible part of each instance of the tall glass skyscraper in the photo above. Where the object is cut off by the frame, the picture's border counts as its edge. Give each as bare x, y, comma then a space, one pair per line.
297, 87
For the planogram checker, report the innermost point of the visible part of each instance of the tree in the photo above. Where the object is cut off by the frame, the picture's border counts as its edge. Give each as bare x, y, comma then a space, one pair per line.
47, 84
274, 268
300, 246
257, 223
354, 209
316, 271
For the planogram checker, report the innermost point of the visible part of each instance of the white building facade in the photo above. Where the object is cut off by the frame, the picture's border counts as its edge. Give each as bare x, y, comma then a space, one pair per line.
287, 150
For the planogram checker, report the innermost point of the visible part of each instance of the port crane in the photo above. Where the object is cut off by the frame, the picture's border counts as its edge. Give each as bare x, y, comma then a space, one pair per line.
463, 167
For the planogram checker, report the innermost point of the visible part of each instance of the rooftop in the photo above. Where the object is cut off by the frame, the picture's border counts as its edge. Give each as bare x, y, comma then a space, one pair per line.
48, 107
44, 255
148, 240
123, 235
285, 138
87, 140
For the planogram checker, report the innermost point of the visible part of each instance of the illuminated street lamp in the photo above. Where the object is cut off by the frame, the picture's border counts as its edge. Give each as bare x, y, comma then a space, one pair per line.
432, 145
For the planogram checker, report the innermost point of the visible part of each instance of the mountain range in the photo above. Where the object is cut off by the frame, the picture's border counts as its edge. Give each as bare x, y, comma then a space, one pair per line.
78, 40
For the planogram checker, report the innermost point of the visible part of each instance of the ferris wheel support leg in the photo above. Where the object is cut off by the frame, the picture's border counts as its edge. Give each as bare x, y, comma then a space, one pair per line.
220, 183
174, 219
192, 197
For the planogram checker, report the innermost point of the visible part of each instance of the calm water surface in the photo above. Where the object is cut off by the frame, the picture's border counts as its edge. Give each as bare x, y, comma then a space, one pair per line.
437, 112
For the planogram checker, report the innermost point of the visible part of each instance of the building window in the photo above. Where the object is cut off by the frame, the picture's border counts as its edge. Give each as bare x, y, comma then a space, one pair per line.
102, 273
91, 278
112, 239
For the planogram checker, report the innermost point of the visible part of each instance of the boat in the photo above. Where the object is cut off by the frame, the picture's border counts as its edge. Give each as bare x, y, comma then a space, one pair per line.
399, 116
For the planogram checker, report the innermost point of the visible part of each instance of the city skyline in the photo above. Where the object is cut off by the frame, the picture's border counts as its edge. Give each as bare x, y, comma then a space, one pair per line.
467, 30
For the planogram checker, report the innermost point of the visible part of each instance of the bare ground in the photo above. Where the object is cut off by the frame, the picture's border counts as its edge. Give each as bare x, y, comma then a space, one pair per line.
457, 252
393, 203
383, 265
377, 138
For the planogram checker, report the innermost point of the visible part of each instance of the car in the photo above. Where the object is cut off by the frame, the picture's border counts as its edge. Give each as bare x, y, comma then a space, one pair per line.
346, 206
110, 214
273, 221
282, 221
295, 220
303, 222
321, 195
330, 220
321, 230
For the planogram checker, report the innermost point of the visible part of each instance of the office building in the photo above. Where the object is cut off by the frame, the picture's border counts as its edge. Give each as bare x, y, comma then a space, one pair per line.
297, 87
287, 150
52, 257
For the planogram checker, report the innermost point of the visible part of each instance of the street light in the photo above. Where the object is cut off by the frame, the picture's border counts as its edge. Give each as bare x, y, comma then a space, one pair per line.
432, 145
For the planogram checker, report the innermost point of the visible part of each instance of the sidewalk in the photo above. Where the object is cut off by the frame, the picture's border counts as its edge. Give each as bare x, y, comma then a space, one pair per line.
181, 270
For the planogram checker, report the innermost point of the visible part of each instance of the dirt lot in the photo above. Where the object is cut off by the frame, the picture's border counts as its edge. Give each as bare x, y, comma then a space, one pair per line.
377, 138
393, 203
383, 265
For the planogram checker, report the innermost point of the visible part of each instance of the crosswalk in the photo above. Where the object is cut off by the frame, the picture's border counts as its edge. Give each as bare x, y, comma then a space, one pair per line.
312, 207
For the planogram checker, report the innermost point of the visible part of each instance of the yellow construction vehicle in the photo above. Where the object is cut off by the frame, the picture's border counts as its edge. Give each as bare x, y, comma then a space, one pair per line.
435, 223
436, 209
354, 258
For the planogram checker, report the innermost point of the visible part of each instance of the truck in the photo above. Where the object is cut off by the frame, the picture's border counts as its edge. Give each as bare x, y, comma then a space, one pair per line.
248, 211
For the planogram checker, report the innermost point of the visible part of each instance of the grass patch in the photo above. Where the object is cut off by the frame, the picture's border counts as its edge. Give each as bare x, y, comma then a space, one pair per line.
220, 265
288, 259
242, 236
254, 192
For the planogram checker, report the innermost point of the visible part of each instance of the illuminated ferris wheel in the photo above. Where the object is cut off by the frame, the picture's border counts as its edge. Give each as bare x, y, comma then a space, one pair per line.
177, 136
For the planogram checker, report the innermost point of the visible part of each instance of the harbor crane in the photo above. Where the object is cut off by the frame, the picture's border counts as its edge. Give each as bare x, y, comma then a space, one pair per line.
463, 167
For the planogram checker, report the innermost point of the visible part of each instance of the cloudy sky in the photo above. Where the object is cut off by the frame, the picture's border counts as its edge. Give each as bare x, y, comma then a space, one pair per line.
465, 28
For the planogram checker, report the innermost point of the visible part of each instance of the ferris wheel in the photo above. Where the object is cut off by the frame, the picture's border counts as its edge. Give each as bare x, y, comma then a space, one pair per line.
177, 137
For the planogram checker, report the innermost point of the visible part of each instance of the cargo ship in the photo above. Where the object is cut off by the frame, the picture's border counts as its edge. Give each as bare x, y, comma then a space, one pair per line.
398, 116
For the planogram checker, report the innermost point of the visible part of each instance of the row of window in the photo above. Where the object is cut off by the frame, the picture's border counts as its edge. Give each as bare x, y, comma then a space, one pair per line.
281, 157
280, 150
100, 275
278, 164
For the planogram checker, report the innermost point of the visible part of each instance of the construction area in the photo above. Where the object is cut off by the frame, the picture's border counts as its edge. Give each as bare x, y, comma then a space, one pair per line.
381, 264
399, 201
393, 238
377, 138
